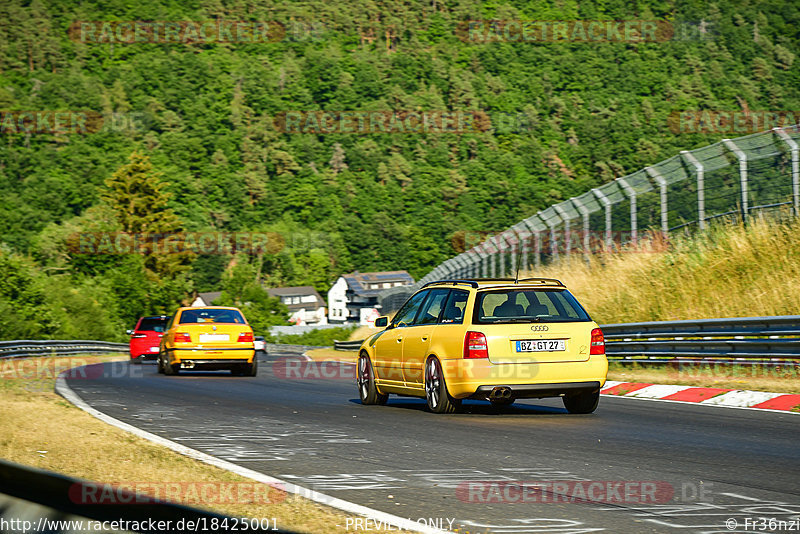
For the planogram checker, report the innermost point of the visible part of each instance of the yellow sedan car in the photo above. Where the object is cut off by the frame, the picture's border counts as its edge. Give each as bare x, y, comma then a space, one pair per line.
208, 338
490, 339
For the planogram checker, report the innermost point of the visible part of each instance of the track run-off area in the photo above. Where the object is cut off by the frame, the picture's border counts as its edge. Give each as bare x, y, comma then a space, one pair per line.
632, 466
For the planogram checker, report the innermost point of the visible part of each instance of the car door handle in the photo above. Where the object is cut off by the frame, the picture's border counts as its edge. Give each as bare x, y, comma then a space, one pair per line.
424, 338
399, 339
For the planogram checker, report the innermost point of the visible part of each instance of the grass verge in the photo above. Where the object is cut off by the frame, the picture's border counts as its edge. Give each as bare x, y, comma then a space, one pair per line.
730, 270
331, 355
41, 429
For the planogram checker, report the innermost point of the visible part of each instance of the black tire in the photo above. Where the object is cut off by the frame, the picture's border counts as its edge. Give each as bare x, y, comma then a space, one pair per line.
439, 400
246, 369
171, 370
582, 402
365, 380
252, 369
159, 365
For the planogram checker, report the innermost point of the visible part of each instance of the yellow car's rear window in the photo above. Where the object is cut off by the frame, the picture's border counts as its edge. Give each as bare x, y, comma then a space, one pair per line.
527, 305
211, 316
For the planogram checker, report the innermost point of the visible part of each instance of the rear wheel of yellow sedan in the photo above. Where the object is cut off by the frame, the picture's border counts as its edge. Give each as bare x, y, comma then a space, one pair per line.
246, 369
439, 400
171, 370
365, 379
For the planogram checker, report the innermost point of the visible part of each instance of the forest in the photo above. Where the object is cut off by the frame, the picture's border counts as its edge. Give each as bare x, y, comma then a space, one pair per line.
163, 117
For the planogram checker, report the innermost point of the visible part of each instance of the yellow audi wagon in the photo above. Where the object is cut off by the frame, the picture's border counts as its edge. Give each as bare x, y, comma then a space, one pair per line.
208, 338
490, 339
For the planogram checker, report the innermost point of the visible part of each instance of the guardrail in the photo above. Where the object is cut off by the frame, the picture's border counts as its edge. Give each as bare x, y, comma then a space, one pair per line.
42, 501
739, 340
39, 347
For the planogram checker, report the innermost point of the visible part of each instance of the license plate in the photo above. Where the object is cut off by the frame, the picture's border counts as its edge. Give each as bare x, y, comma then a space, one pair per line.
542, 345
214, 337
153, 349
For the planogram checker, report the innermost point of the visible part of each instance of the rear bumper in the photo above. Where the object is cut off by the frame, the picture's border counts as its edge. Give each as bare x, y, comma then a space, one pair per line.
145, 356
538, 391
475, 378
212, 357
211, 365
144, 351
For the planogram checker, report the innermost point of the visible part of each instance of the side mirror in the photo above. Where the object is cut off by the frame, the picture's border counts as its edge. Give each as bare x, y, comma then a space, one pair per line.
129, 332
382, 322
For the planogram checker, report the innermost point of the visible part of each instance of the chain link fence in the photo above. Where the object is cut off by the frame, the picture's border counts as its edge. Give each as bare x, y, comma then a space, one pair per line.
733, 179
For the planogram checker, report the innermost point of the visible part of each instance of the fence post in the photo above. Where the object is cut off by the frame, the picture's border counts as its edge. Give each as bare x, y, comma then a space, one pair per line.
534, 224
553, 240
701, 193
607, 206
564, 217
793, 148
480, 267
491, 249
662, 185
631, 192
585, 214
509, 236
730, 145
523, 238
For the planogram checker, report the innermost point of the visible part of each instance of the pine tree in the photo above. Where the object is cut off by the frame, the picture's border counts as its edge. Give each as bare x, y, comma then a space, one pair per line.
135, 193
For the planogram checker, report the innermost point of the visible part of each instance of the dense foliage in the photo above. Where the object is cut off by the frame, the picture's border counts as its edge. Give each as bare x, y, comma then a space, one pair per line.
323, 337
202, 114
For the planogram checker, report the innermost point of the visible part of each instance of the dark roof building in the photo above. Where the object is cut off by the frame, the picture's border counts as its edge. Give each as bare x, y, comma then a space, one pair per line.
298, 298
354, 296
207, 298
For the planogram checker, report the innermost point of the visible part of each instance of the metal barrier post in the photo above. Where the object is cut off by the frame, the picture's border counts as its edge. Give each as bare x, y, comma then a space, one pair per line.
631, 192
607, 206
662, 185
730, 145
701, 193
793, 148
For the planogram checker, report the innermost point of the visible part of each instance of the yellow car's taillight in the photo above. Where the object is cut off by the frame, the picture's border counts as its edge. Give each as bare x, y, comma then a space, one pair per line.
182, 337
475, 345
245, 337
598, 343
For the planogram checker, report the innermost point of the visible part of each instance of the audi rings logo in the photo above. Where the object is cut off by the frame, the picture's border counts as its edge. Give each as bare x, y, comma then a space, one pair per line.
540, 328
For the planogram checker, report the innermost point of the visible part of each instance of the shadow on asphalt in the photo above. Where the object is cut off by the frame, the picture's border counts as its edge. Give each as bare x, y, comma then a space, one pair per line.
472, 407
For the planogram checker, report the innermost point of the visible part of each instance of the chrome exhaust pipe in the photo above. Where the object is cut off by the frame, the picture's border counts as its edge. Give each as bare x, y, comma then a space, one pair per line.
500, 392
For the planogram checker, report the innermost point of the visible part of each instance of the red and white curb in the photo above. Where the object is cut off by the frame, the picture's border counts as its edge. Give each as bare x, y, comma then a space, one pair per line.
732, 398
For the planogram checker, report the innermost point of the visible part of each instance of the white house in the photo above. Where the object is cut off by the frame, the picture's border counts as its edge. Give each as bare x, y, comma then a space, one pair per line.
354, 296
304, 302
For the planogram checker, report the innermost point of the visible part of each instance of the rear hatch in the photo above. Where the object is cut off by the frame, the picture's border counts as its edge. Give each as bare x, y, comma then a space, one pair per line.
538, 342
533, 325
214, 336
215, 328
147, 335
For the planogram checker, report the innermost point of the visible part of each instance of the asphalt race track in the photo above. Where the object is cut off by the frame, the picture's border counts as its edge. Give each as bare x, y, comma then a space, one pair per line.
709, 464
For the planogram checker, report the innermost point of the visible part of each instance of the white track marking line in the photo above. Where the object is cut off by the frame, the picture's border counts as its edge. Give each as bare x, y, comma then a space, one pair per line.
406, 524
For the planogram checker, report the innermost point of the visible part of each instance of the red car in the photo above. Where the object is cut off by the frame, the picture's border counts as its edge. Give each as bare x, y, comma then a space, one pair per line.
146, 337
